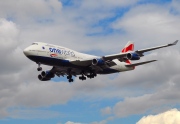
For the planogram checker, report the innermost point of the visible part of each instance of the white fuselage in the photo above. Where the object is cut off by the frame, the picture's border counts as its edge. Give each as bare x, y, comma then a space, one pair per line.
59, 56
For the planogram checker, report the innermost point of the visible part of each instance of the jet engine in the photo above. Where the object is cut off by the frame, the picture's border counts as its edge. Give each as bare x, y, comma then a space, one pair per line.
133, 56
98, 62
46, 75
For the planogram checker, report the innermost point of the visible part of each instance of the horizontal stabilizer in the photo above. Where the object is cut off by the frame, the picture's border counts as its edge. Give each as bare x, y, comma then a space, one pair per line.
140, 63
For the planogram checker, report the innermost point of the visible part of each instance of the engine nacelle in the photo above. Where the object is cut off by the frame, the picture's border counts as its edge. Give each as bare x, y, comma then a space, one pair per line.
133, 56
47, 74
98, 62
41, 78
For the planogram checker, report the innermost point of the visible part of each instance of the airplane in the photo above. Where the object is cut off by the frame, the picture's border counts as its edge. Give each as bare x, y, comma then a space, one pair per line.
67, 62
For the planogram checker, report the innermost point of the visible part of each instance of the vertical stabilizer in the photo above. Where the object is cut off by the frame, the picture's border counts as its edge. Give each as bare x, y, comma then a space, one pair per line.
128, 47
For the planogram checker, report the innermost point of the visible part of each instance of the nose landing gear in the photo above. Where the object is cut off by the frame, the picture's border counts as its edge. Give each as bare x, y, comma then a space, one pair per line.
39, 67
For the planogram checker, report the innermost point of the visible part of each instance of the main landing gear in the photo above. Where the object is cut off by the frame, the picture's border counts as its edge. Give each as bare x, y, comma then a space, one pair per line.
69, 77
92, 75
39, 66
82, 77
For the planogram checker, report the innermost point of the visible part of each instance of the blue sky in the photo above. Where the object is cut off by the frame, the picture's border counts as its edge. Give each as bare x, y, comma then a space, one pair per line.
94, 27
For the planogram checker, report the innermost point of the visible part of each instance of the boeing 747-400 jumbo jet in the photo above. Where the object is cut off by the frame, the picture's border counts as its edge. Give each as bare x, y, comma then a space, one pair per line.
65, 61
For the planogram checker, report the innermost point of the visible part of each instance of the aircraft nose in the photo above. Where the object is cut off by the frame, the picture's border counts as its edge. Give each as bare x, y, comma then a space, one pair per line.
26, 51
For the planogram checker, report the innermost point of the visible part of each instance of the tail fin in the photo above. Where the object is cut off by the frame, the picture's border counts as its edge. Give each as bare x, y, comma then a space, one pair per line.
129, 47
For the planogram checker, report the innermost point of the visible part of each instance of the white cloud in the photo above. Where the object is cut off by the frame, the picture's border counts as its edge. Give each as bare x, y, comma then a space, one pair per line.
106, 4
106, 111
169, 117
149, 23
175, 6
29, 10
103, 121
70, 122
9, 34
32, 114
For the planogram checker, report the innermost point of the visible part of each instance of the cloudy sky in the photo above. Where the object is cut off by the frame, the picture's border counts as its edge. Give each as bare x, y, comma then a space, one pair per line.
97, 27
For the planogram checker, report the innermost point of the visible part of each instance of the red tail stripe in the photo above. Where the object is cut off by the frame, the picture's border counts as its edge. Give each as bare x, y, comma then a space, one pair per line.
128, 61
128, 48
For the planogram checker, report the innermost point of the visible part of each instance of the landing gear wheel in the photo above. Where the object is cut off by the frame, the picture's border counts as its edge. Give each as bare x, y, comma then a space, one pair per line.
91, 75
95, 75
71, 80
82, 78
69, 77
39, 68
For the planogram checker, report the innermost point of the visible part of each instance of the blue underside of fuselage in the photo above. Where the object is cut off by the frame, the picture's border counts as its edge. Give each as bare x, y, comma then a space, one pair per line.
59, 62
50, 61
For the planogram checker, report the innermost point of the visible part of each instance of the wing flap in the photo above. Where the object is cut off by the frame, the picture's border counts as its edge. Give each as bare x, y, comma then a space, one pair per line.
140, 63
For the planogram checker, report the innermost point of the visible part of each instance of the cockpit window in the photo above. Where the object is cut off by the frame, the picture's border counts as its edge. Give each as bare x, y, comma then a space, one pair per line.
34, 43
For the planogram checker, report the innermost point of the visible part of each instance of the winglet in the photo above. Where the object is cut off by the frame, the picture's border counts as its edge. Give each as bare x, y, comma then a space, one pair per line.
174, 43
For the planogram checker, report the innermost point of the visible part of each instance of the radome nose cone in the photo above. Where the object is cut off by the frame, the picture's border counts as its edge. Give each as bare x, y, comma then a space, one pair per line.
25, 51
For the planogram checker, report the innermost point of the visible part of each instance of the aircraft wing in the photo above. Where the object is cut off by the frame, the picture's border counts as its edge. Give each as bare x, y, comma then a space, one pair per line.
88, 62
121, 56
140, 52
115, 56
108, 59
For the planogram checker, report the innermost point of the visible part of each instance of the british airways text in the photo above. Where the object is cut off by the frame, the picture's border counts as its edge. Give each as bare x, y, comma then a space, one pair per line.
62, 51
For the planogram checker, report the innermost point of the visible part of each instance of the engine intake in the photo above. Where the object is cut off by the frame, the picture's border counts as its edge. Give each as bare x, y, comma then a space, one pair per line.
43, 79
46, 76
98, 62
133, 56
